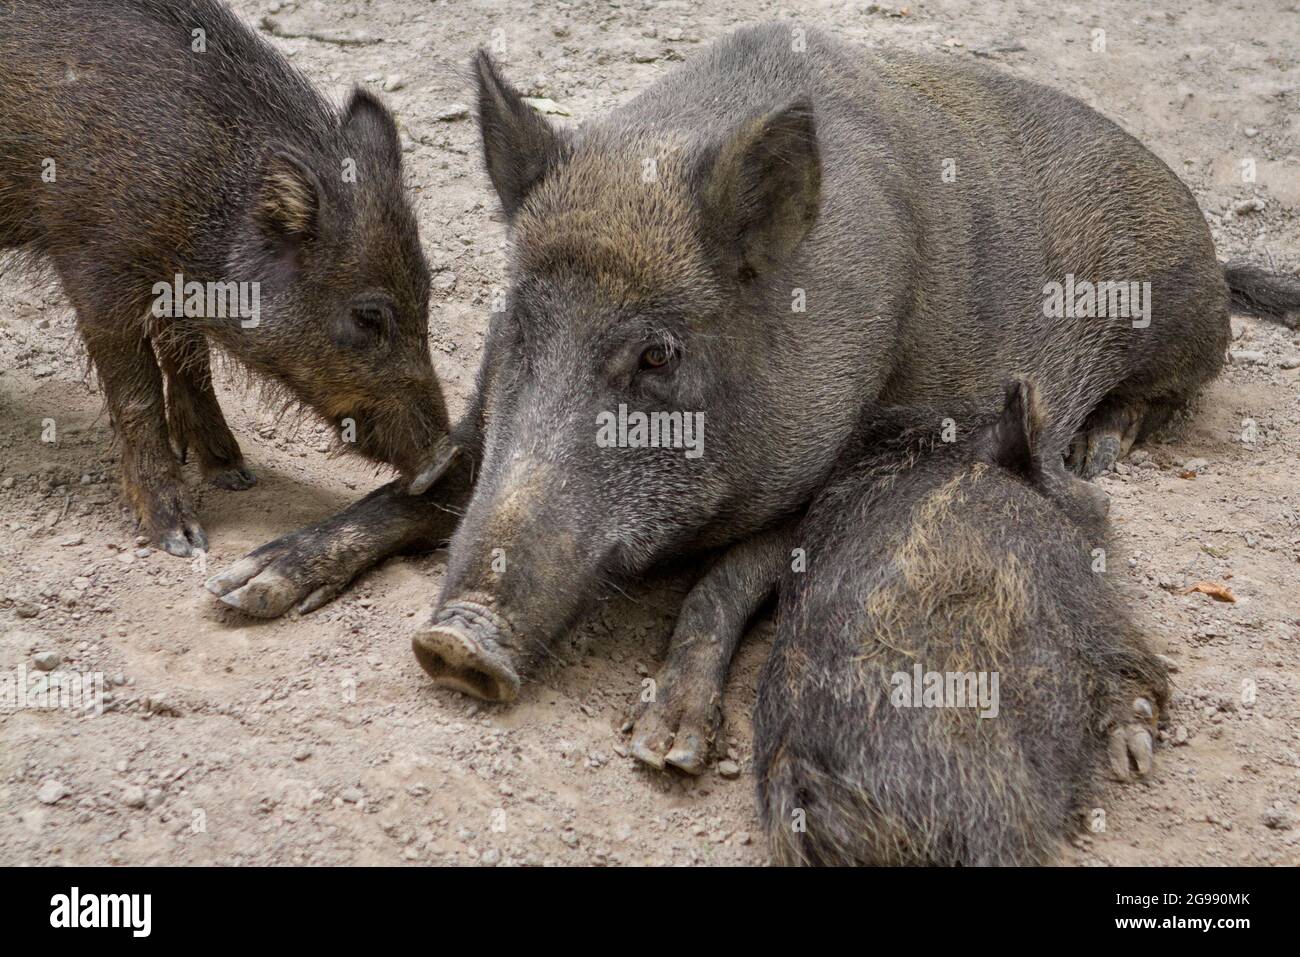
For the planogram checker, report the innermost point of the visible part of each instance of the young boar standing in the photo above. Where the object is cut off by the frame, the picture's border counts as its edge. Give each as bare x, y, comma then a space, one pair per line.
189, 187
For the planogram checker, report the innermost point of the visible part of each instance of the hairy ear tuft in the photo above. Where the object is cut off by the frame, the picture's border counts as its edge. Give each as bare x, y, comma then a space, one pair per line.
288, 202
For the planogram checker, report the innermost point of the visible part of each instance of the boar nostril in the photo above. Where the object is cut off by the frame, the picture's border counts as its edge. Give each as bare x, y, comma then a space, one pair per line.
453, 658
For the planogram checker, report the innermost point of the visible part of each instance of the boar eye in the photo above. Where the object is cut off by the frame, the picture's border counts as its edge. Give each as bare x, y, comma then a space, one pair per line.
375, 317
656, 357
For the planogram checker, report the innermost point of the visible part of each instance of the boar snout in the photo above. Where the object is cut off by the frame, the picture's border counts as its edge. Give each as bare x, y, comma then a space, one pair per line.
520, 567
404, 426
468, 647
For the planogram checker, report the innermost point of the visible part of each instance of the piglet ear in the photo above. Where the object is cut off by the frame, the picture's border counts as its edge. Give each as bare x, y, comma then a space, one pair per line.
764, 190
367, 120
1011, 440
519, 146
288, 203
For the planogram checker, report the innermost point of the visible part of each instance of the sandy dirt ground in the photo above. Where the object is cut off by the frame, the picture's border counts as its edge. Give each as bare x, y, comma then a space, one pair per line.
319, 740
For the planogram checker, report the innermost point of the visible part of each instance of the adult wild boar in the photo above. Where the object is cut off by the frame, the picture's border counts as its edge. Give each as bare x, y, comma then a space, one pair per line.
777, 232
189, 187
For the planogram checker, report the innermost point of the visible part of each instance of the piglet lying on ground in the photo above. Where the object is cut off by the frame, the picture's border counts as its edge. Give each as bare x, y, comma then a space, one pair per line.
953, 668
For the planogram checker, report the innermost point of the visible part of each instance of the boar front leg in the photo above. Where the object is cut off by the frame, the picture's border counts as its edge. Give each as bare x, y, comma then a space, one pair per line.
307, 568
133, 388
679, 724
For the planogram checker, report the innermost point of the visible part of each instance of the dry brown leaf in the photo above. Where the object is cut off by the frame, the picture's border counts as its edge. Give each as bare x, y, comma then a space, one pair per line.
1213, 589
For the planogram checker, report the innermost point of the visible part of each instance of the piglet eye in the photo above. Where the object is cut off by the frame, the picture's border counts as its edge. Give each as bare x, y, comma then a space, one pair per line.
655, 357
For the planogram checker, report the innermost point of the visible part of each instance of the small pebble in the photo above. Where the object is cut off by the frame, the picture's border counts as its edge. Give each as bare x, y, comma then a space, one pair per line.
1278, 818
51, 791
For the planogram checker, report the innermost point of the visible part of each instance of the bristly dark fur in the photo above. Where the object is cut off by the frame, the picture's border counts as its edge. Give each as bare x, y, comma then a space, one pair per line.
183, 143
971, 556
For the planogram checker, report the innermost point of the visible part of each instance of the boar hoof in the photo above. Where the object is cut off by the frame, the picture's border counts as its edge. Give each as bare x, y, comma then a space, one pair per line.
690, 753
1131, 745
278, 577
453, 658
686, 746
648, 753
268, 596
1104, 451
234, 479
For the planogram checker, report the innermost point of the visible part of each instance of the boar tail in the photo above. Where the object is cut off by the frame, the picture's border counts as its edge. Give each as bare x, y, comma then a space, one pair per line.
1269, 295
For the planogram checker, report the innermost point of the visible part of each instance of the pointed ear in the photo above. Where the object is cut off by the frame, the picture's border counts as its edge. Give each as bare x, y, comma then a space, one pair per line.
764, 190
368, 121
288, 204
519, 146
1011, 441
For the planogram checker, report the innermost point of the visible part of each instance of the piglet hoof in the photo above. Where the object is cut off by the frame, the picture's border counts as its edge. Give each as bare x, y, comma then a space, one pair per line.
167, 518
1131, 742
236, 478
456, 655
181, 539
